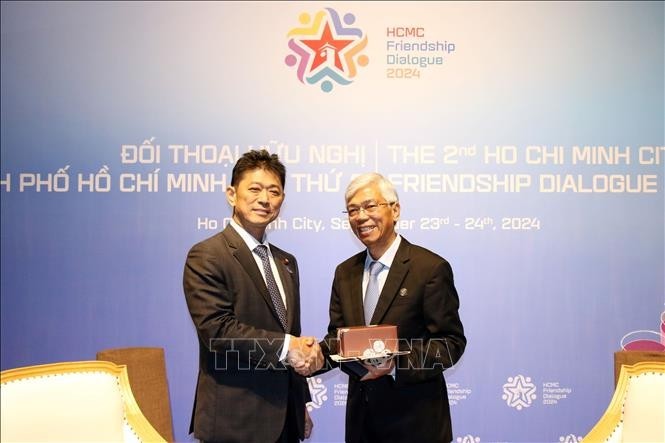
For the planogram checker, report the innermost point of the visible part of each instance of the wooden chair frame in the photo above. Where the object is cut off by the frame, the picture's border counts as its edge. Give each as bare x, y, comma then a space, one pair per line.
138, 424
610, 426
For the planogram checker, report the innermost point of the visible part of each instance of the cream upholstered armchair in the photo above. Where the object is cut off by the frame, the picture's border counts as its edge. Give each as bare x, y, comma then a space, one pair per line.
637, 410
71, 401
146, 369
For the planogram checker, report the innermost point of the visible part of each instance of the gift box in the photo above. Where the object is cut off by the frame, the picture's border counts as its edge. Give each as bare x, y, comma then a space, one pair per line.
367, 341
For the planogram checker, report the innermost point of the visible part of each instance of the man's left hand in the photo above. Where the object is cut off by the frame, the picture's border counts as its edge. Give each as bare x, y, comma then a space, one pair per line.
377, 371
309, 424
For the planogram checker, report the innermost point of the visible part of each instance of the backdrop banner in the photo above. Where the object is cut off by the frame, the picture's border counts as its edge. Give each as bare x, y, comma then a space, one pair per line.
526, 142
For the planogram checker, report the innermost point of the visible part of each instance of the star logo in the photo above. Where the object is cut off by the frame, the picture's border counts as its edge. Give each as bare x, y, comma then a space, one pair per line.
519, 392
326, 49
318, 392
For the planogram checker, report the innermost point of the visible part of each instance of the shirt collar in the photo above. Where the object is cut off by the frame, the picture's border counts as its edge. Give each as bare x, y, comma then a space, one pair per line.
248, 238
387, 258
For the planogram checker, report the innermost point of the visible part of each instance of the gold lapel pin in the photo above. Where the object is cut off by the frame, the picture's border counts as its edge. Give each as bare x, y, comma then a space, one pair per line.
403, 292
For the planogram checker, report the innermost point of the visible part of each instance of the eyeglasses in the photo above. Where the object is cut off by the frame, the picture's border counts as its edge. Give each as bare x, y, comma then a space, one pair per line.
370, 208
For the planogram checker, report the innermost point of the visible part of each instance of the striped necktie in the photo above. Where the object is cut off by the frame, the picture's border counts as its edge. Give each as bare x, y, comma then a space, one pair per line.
372, 292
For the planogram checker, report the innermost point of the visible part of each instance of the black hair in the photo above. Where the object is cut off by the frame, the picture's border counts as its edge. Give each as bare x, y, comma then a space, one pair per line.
258, 160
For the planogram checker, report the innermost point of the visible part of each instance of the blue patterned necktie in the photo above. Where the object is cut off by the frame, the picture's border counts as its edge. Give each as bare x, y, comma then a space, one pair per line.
273, 289
372, 292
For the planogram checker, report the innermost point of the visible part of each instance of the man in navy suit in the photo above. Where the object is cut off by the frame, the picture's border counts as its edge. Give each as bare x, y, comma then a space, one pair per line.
244, 299
404, 399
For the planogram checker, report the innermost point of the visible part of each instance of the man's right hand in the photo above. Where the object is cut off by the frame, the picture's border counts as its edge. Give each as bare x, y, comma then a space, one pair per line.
305, 355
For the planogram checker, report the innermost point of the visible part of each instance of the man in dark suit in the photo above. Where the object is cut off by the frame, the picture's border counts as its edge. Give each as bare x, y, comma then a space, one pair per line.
243, 296
404, 399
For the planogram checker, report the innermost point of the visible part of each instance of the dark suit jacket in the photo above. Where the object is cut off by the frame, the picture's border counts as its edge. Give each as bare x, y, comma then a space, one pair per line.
419, 296
243, 389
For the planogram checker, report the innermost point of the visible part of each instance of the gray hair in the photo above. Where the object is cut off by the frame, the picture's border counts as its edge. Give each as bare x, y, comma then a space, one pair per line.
372, 178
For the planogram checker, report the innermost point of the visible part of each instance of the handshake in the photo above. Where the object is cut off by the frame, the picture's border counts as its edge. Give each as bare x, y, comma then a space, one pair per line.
304, 355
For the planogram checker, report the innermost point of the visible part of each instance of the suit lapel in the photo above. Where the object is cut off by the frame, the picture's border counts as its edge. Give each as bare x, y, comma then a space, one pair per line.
355, 291
398, 270
244, 256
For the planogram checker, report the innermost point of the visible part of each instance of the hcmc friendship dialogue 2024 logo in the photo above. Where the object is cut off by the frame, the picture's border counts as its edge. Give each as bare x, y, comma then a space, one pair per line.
326, 49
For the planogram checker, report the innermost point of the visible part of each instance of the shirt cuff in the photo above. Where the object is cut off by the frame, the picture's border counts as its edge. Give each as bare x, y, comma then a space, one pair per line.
285, 348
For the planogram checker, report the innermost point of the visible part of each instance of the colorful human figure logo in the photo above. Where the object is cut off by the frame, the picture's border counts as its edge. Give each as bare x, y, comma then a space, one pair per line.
326, 50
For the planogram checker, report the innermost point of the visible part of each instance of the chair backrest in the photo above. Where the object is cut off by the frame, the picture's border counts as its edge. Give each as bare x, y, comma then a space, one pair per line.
637, 410
631, 357
72, 402
146, 368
